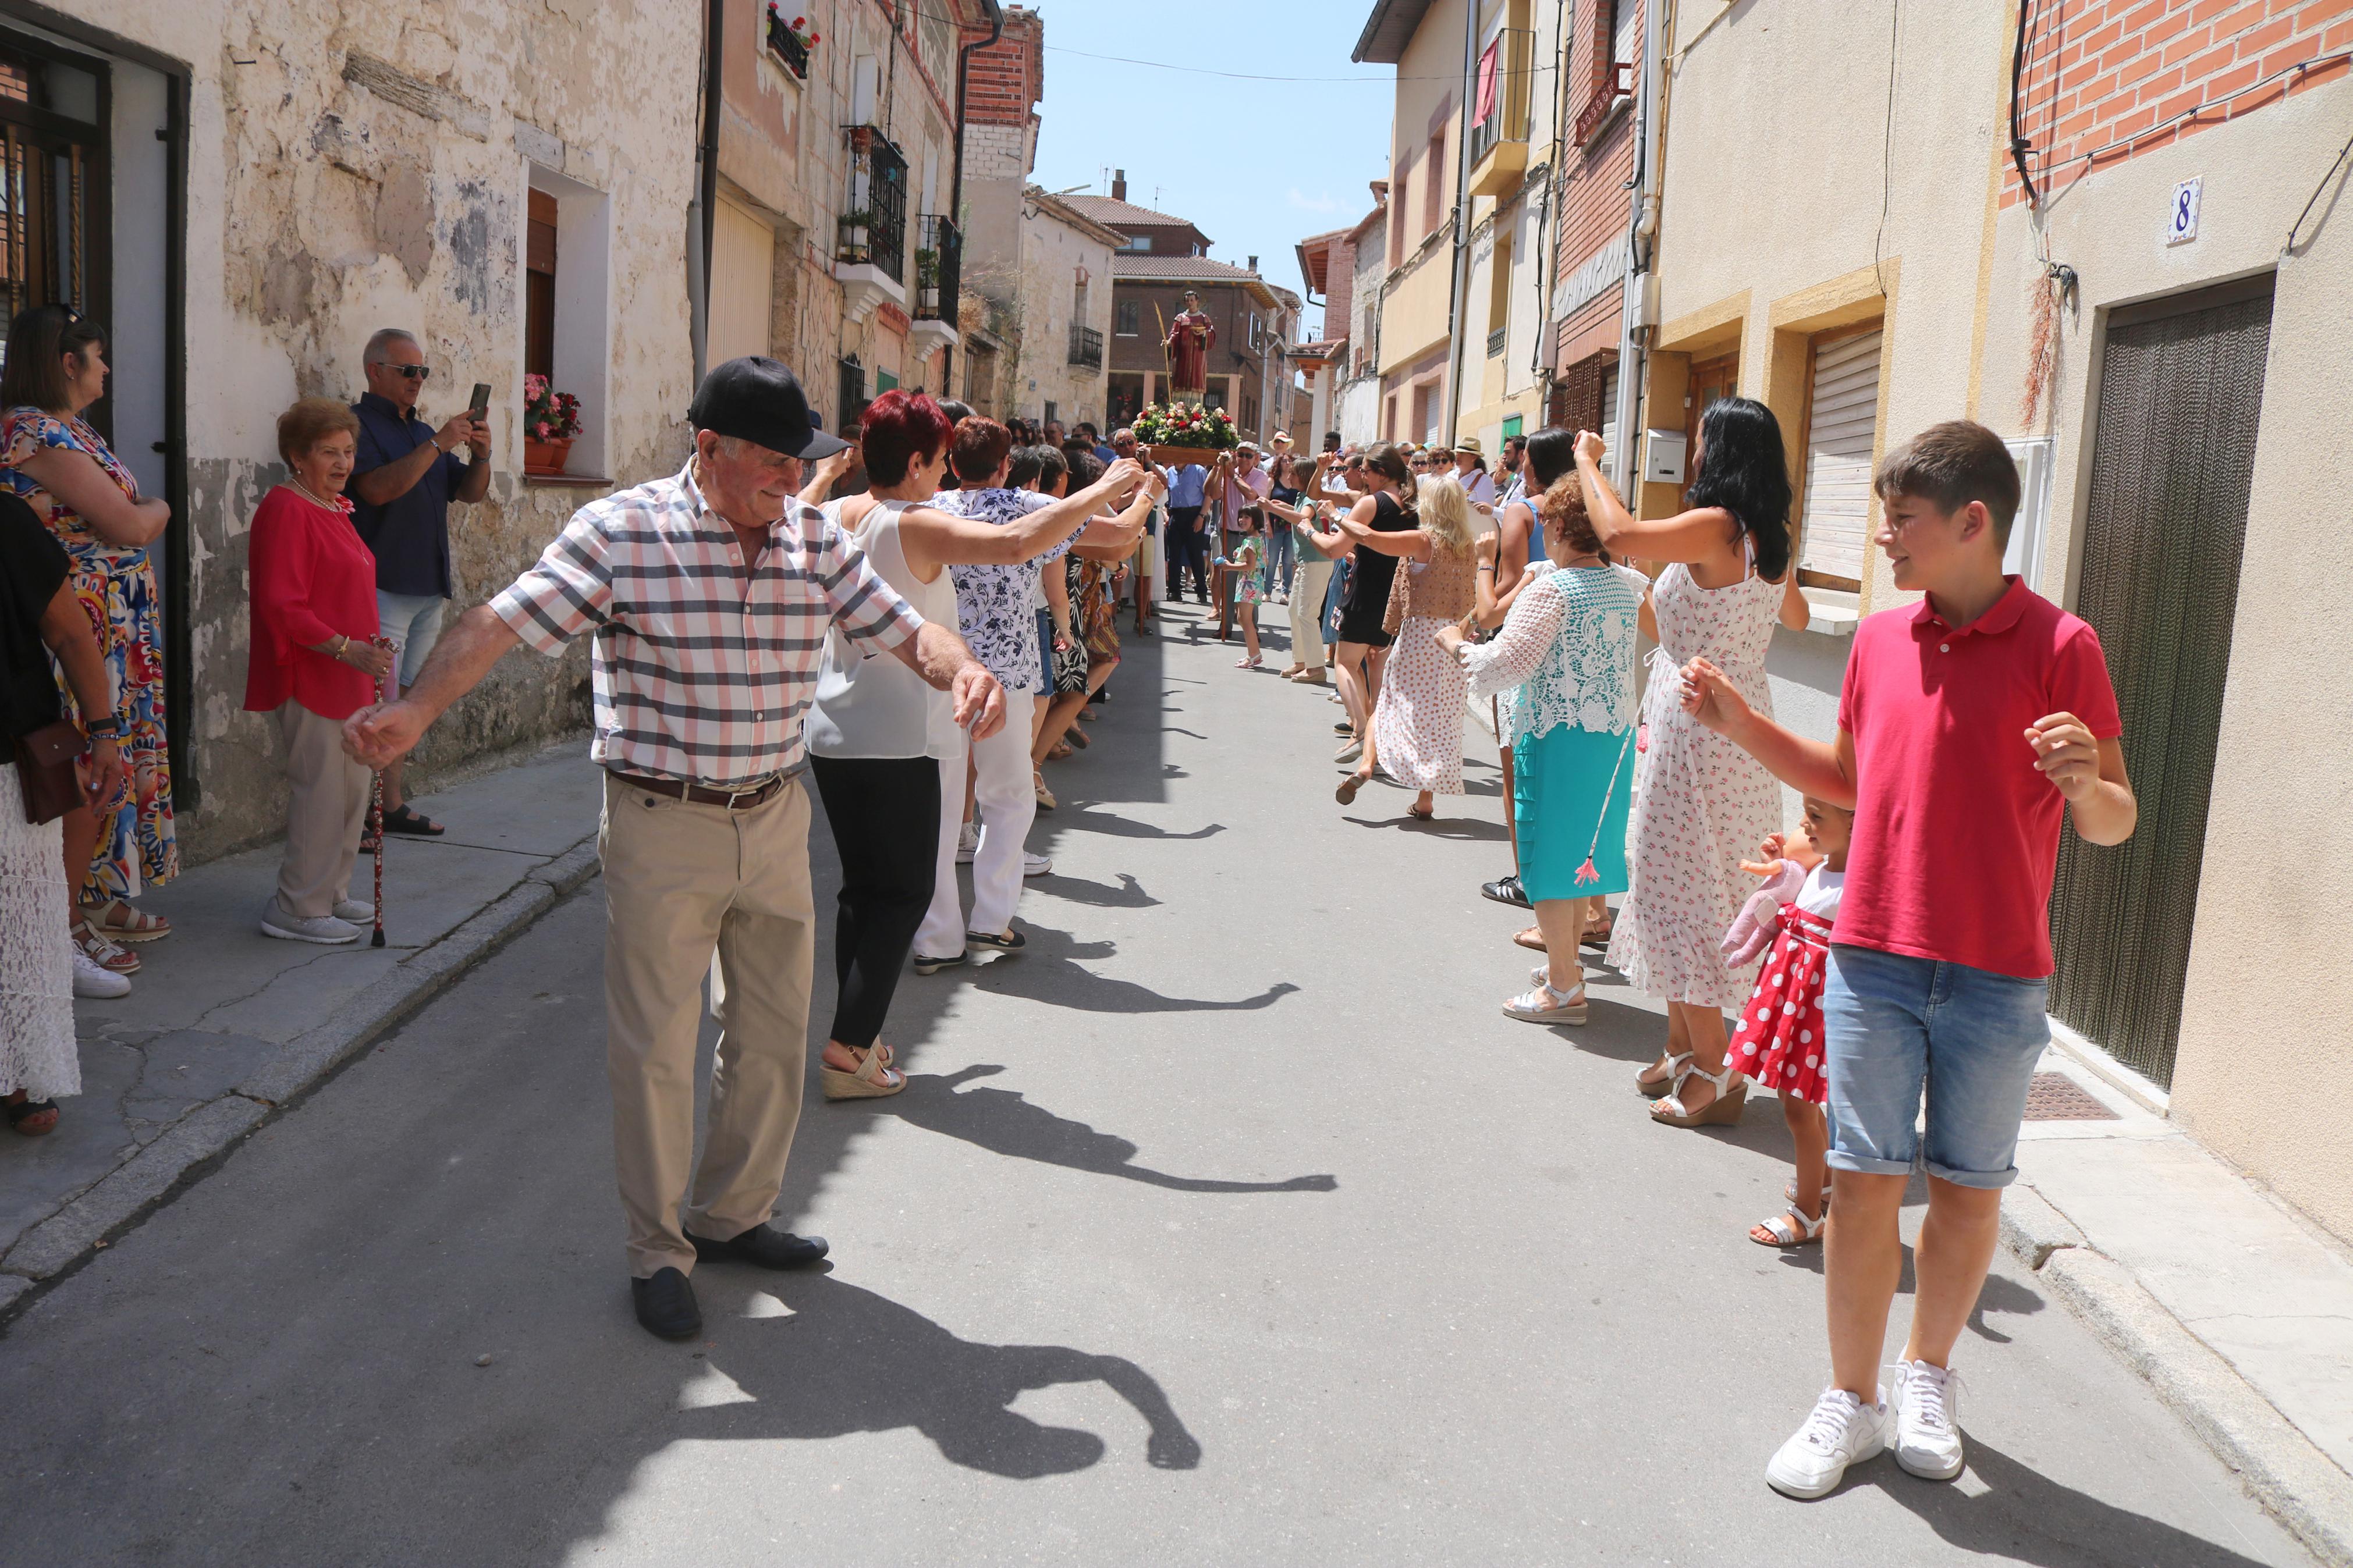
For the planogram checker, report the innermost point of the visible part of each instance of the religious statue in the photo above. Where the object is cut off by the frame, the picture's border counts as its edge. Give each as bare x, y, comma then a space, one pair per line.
1191, 338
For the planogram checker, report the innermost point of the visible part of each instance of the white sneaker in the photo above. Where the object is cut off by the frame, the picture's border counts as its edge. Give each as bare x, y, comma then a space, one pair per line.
1842, 1431
356, 913
967, 843
324, 929
1036, 865
93, 981
1927, 1444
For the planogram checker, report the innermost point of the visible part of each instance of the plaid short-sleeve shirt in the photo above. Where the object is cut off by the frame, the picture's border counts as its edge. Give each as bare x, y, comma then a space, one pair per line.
700, 673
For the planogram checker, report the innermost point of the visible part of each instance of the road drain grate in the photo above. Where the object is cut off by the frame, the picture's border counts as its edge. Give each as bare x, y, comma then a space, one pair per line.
2055, 1097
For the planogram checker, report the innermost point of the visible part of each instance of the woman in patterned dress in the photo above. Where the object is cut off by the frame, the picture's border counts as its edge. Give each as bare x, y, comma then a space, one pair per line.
1701, 803
1417, 719
61, 467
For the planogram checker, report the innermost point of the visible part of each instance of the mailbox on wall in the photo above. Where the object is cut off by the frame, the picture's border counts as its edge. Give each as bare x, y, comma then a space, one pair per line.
1662, 456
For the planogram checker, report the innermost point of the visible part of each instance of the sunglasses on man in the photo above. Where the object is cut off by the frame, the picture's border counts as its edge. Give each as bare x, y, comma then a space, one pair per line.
412, 372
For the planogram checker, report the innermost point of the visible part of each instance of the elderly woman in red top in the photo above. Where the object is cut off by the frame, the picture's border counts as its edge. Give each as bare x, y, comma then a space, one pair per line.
314, 664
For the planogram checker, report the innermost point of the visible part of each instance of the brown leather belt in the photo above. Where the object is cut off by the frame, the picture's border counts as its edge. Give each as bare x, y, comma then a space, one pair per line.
733, 800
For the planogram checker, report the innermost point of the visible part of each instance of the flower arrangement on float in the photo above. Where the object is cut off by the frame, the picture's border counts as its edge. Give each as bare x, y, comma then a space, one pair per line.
1186, 424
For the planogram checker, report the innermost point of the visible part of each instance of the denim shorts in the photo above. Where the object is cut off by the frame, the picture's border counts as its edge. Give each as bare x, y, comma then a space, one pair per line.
1970, 1036
413, 622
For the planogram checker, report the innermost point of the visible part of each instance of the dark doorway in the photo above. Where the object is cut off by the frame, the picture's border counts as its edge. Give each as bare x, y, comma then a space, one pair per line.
55, 195
2181, 387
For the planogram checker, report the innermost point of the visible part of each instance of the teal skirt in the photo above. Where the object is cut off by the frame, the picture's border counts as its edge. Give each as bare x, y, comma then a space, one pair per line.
1571, 790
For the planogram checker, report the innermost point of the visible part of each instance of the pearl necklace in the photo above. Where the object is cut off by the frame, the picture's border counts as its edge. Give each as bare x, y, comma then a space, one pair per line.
312, 496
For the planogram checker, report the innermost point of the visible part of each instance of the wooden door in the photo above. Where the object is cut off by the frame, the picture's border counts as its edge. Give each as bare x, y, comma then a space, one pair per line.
1711, 379
742, 283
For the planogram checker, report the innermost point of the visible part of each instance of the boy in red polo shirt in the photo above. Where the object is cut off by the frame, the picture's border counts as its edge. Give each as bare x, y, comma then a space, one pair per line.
1969, 725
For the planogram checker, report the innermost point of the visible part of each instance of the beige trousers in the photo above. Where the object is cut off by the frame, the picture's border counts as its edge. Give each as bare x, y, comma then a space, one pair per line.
1308, 586
682, 882
322, 824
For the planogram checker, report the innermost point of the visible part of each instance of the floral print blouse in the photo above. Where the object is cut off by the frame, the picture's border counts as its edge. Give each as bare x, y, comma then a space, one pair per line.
994, 605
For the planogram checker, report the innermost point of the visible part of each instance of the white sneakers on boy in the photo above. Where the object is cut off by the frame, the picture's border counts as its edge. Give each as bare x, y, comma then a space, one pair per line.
1842, 1431
1927, 1444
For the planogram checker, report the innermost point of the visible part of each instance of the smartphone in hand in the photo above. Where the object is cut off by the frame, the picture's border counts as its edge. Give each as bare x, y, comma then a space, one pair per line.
478, 408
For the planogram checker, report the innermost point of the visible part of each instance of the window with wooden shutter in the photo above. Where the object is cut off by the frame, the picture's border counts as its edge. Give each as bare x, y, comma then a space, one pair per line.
1841, 418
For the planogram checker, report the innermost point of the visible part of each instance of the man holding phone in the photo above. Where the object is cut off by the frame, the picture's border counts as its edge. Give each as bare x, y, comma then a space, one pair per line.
407, 475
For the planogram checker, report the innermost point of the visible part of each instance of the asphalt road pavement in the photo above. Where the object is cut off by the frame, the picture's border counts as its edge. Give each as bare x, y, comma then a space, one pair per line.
1231, 1223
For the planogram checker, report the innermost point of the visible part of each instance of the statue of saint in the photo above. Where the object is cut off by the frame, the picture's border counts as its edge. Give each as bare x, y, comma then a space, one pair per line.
1191, 336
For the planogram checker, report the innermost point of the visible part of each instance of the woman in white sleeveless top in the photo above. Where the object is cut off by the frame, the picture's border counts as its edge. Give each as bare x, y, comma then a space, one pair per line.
879, 738
1701, 804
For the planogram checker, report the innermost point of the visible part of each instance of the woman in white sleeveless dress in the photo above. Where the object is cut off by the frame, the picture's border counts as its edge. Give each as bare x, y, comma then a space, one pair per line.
1701, 804
881, 741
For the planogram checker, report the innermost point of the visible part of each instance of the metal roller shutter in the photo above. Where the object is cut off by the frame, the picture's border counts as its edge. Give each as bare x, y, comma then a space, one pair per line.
1841, 419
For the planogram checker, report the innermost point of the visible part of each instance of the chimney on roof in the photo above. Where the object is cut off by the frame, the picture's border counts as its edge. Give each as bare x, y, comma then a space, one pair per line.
1253, 264
1119, 184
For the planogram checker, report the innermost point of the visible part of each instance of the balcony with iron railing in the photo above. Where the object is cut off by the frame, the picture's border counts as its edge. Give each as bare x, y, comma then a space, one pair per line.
870, 252
786, 44
939, 285
1086, 346
1499, 139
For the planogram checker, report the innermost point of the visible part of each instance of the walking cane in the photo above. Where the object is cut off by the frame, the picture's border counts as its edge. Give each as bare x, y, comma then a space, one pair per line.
376, 803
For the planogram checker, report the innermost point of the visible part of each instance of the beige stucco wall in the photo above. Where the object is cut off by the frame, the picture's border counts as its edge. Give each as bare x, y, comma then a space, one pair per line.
1429, 73
2270, 983
319, 209
1770, 226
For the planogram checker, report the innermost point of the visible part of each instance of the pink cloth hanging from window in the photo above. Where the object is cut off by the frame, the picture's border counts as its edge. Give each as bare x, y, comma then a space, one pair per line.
1487, 71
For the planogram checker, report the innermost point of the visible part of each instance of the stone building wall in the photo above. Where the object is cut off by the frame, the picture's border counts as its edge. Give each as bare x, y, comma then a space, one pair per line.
354, 166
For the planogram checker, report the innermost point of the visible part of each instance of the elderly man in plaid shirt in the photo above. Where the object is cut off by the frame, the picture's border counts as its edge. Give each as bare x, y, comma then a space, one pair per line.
710, 595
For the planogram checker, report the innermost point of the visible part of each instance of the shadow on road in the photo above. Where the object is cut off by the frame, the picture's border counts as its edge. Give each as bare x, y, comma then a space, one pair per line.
2023, 1516
847, 1360
1003, 1121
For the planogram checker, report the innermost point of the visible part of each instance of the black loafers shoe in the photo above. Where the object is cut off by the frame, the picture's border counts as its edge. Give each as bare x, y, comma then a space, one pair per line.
766, 1246
666, 1306
1505, 890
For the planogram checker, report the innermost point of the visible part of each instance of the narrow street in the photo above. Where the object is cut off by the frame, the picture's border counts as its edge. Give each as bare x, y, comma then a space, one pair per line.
1229, 1224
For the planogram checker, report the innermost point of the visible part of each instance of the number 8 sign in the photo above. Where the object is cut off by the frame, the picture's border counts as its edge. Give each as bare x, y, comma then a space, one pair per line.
2181, 216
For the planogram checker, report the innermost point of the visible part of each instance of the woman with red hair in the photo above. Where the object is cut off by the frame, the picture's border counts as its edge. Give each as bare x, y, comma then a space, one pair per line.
883, 743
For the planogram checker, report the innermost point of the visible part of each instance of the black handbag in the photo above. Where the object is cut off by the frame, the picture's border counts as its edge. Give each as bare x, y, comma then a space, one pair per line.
44, 770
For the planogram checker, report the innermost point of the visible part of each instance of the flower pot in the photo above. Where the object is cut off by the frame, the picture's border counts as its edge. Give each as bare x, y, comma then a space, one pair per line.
546, 458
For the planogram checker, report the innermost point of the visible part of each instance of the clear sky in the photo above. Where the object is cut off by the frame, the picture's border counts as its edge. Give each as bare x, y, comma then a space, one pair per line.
1256, 165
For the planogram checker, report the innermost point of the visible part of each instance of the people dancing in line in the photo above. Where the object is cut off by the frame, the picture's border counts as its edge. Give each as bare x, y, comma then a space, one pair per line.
882, 739
1363, 652
1418, 715
998, 618
1700, 803
1564, 666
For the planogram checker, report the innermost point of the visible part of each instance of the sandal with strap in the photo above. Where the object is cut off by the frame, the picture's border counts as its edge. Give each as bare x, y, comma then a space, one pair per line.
1347, 793
1724, 1111
874, 1080
1546, 1005
115, 959
407, 819
1789, 1192
1778, 1232
1532, 939
118, 921
1657, 1088
26, 1109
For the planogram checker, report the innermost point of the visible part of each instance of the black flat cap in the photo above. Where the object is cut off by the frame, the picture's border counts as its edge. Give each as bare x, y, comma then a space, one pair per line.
758, 400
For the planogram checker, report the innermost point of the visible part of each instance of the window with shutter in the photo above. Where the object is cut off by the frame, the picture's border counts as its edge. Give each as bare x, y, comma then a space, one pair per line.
1841, 417
1609, 421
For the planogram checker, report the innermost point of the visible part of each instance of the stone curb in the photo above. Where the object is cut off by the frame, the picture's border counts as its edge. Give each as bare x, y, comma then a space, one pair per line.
2279, 1466
129, 1192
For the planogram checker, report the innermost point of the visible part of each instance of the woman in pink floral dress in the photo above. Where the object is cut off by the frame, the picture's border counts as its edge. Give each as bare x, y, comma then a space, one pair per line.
61, 467
1701, 804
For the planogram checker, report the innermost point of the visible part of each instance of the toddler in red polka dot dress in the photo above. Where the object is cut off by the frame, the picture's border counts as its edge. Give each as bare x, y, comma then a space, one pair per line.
1778, 1041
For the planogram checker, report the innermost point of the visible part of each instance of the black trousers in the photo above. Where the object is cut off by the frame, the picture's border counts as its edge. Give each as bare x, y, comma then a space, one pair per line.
1188, 546
885, 814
